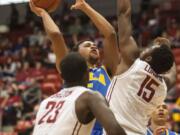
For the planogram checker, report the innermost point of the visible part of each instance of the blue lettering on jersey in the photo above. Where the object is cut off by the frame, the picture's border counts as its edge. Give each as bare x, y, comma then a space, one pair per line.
99, 80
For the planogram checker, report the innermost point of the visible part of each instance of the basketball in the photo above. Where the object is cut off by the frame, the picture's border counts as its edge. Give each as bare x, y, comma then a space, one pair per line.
48, 5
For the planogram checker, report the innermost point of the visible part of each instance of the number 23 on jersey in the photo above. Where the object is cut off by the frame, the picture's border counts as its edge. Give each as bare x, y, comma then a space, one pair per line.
52, 112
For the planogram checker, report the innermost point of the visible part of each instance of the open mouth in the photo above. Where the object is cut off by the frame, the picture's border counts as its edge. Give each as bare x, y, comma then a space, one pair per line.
161, 114
94, 51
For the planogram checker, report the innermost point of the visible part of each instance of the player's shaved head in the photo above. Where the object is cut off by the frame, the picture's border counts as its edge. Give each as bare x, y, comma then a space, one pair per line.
160, 58
74, 68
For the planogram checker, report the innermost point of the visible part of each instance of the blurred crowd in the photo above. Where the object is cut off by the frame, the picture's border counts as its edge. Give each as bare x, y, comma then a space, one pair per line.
27, 63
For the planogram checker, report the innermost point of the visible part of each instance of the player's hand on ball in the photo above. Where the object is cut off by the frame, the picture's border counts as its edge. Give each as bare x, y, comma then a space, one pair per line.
78, 5
38, 11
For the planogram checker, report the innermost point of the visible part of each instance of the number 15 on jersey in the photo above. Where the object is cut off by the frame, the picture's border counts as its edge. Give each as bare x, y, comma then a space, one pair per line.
148, 86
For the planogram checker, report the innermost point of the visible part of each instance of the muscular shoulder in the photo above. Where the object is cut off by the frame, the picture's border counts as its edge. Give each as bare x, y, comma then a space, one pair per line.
82, 107
90, 95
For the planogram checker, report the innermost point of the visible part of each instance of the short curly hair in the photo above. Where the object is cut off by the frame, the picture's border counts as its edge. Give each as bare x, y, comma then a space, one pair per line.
162, 59
73, 67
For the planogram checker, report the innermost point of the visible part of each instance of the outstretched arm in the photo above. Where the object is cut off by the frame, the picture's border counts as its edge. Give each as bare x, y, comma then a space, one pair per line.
127, 44
95, 104
53, 32
110, 43
170, 78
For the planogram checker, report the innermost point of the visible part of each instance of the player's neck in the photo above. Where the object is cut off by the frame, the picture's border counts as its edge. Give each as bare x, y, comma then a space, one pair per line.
154, 126
91, 65
92, 62
67, 85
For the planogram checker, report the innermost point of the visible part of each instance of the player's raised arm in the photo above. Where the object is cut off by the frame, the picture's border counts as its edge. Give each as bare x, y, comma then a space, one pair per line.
93, 104
53, 32
127, 44
110, 43
170, 77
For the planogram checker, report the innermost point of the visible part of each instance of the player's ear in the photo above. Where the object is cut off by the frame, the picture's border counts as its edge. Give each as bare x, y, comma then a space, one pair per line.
148, 59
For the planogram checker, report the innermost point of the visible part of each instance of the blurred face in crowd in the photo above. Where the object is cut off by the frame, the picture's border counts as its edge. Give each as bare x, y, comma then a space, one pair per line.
160, 115
89, 51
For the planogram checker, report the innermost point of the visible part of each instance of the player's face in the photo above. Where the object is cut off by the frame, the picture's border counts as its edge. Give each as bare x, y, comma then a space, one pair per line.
89, 51
160, 115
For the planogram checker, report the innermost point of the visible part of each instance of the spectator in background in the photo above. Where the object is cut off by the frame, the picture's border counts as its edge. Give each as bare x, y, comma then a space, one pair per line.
175, 113
10, 67
18, 46
145, 4
172, 27
33, 38
23, 72
75, 29
38, 71
90, 29
50, 60
12, 108
176, 39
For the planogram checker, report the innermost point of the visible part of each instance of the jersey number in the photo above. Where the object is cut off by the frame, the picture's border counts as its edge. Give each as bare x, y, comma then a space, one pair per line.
147, 86
53, 107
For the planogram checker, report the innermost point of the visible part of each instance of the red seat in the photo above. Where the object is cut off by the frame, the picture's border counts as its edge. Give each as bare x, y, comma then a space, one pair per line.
52, 77
178, 68
48, 88
176, 51
177, 60
52, 71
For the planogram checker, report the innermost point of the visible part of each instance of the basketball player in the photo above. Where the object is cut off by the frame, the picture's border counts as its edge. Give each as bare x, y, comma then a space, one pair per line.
73, 110
138, 87
99, 79
158, 122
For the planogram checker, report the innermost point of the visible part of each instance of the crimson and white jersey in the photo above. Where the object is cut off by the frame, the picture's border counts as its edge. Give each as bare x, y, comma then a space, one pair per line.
134, 95
57, 116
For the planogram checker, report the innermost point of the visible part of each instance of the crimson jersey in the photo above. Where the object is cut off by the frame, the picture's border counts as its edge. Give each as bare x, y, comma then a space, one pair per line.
134, 95
57, 116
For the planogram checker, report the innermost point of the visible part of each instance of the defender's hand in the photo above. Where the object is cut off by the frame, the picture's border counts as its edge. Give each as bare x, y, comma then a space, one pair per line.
79, 4
38, 11
162, 41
